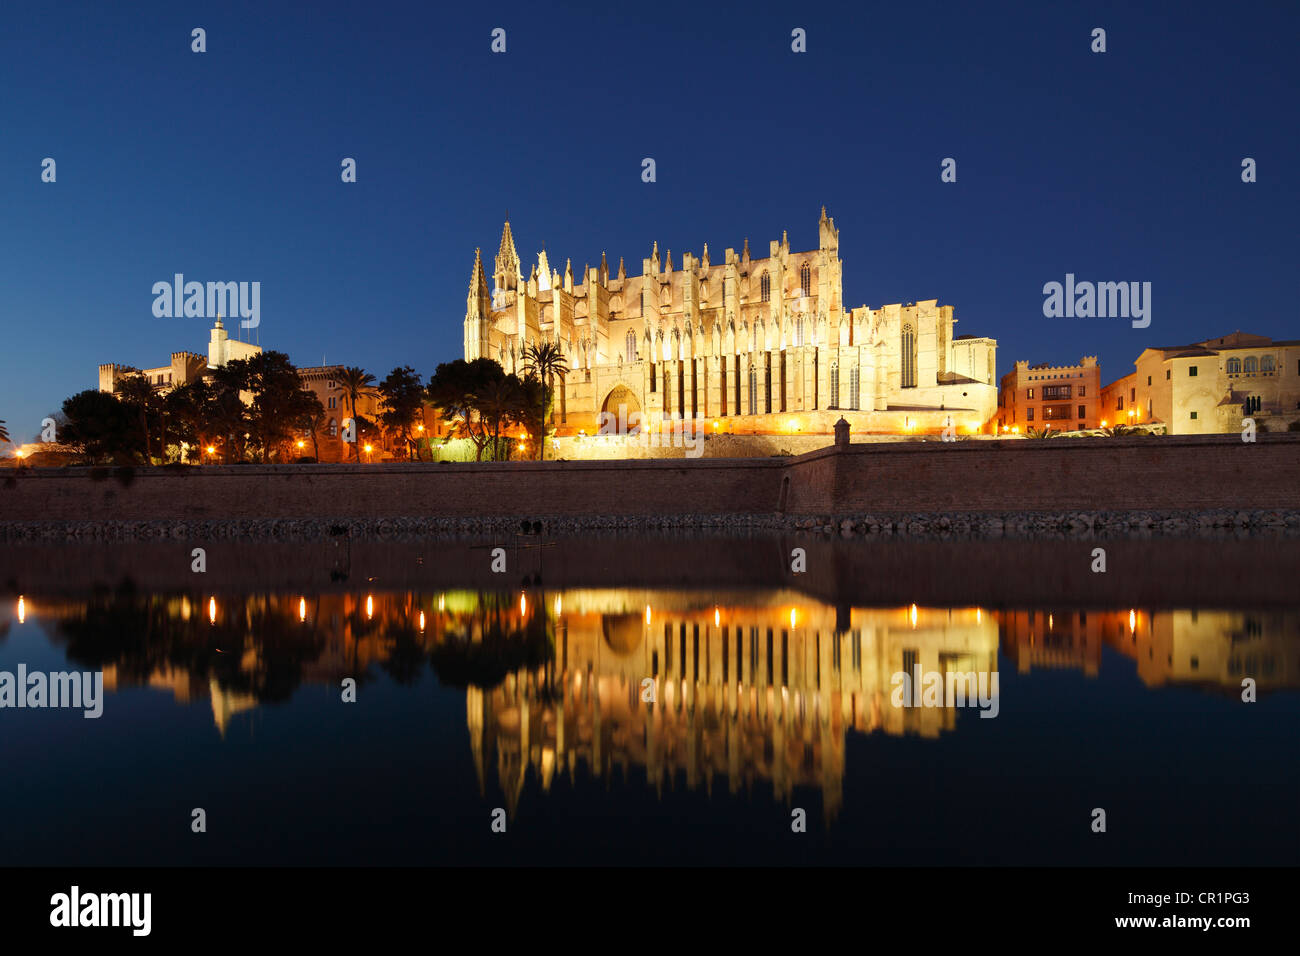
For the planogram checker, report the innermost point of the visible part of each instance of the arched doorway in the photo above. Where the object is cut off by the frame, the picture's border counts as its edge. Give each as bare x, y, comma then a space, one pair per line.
620, 405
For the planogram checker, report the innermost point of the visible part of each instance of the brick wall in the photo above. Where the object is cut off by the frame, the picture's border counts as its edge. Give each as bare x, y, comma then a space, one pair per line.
1026, 475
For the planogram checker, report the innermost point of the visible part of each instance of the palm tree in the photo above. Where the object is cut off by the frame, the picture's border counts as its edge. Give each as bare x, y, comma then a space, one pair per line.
354, 383
545, 361
4, 433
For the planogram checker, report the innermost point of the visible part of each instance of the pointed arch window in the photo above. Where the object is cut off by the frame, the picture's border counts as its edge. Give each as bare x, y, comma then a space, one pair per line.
765, 287
805, 280
835, 385
631, 346
908, 357
753, 389
855, 395
798, 330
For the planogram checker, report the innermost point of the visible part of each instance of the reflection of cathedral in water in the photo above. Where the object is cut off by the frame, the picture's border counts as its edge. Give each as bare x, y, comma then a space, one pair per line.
754, 690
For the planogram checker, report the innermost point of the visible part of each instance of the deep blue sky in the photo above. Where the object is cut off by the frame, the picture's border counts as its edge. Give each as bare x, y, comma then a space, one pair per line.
225, 165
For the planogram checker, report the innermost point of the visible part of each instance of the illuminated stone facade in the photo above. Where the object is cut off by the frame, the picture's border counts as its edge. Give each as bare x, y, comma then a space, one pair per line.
1210, 386
758, 345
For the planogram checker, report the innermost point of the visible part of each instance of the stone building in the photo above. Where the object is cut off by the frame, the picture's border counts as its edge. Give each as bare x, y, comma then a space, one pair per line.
1065, 397
1210, 386
756, 345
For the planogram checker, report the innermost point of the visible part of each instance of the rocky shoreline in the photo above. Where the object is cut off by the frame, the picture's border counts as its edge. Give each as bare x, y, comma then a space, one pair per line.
1078, 525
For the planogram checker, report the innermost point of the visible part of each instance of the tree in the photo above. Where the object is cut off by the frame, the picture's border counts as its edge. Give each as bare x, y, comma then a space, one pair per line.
545, 362
101, 426
311, 419
455, 387
403, 394
499, 403
4, 433
136, 391
353, 384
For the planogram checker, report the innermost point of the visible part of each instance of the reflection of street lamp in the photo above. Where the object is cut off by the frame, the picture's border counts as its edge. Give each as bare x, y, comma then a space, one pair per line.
367, 449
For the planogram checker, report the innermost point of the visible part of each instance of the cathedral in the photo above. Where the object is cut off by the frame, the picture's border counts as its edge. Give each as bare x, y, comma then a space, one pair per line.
754, 345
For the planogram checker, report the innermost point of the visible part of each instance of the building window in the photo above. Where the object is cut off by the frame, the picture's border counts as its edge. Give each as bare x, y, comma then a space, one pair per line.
1234, 366
1119, 404
1057, 392
1029, 414
835, 385
330, 384
753, 389
1250, 366
1031, 393
1191, 371
334, 402
1083, 411
631, 346
334, 428
1265, 365
643, 304
1193, 416
1132, 394
909, 357
854, 397
798, 330
805, 280
1082, 389
653, 366
765, 287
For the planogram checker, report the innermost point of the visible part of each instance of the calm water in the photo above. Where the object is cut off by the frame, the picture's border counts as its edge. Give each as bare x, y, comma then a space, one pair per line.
530, 701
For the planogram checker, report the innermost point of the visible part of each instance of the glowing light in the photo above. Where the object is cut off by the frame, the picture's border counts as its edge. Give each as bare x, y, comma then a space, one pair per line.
979, 615
1103, 423
301, 443
212, 610
442, 602
913, 616
559, 605
792, 618
792, 424
210, 450
370, 607
647, 613
302, 609
368, 449
1132, 621
20, 453
1015, 430
717, 617
421, 622
22, 609
1049, 622
419, 428
523, 604
715, 426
